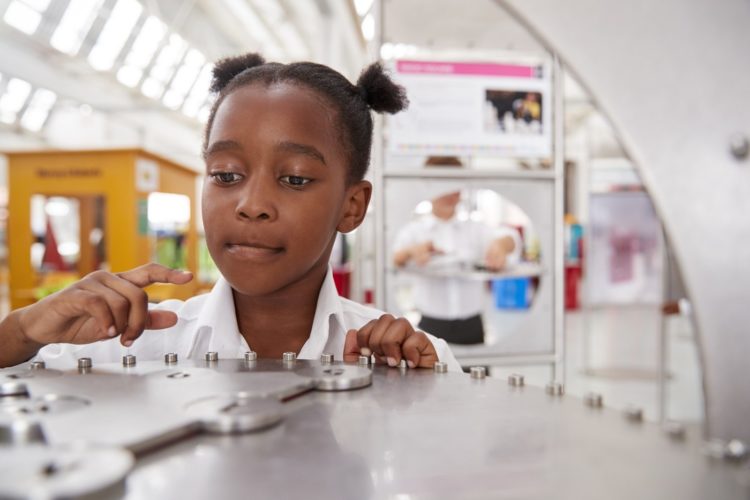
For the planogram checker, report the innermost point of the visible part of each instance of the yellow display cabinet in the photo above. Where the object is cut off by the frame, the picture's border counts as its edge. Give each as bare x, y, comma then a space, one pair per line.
73, 212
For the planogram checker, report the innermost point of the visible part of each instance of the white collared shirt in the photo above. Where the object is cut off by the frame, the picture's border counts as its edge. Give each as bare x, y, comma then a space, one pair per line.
208, 323
458, 240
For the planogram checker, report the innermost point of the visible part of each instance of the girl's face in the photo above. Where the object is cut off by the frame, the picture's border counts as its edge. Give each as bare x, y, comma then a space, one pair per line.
276, 191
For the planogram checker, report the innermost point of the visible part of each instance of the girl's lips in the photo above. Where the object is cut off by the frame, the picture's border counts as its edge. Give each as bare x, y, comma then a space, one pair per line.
253, 251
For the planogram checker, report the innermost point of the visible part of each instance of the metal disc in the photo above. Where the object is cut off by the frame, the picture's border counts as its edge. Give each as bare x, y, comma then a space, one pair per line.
338, 377
38, 471
235, 413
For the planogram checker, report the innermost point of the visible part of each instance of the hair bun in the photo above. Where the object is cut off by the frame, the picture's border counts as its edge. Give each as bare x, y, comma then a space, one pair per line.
380, 92
229, 67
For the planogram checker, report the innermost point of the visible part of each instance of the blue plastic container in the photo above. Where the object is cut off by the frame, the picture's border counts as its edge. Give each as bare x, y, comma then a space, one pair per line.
512, 293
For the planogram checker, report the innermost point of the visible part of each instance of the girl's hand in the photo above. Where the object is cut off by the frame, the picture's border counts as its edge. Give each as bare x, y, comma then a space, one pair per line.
391, 340
100, 306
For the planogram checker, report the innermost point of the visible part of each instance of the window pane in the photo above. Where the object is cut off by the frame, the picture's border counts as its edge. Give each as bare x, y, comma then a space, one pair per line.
38, 110
75, 23
11, 102
115, 34
22, 17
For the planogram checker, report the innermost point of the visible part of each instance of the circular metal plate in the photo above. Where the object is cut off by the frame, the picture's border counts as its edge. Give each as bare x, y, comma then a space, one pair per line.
235, 413
337, 377
37, 471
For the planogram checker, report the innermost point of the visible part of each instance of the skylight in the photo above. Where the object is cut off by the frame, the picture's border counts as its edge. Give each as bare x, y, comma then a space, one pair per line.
164, 67
198, 93
114, 34
74, 25
142, 52
38, 109
11, 102
184, 79
25, 15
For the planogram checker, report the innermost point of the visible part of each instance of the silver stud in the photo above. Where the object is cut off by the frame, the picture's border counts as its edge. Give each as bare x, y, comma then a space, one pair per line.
735, 450
478, 372
38, 365
289, 357
251, 356
593, 400
84, 363
128, 360
364, 361
440, 367
170, 358
212, 356
326, 358
675, 430
739, 145
633, 413
14, 389
554, 389
403, 365
22, 432
516, 380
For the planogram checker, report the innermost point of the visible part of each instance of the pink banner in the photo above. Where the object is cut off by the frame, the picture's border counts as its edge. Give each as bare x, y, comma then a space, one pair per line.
465, 68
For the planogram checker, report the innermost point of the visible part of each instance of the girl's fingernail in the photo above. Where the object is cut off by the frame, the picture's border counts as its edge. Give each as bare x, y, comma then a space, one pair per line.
111, 331
392, 361
127, 343
365, 351
411, 364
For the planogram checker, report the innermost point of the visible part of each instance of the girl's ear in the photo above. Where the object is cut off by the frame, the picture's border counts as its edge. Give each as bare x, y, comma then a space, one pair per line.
355, 206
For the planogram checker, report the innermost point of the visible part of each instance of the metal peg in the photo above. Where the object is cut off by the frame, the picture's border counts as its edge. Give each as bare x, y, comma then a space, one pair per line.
84, 363
440, 367
251, 356
128, 360
478, 372
170, 358
403, 365
674, 430
593, 400
554, 389
289, 357
212, 356
14, 390
21, 432
739, 145
326, 358
735, 450
38, 365
364, 361
633, 413
516, 380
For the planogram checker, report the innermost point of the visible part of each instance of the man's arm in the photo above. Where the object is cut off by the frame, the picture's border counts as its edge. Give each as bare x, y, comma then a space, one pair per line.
15, 347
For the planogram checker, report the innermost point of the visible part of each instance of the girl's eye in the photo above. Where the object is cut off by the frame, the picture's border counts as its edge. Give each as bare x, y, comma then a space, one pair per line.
295, 180
225, 177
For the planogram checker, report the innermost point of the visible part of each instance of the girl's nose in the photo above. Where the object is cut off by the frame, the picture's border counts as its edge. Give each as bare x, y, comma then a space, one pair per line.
256, 201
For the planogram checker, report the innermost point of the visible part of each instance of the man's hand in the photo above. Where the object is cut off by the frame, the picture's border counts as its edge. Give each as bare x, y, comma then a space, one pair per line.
102, 305
497, 253
391, 340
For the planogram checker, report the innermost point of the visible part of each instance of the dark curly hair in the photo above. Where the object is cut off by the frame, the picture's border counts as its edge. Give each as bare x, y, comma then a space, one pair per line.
374, 91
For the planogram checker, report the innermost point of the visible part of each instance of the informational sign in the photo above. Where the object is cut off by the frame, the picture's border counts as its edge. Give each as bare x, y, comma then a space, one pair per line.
473, 108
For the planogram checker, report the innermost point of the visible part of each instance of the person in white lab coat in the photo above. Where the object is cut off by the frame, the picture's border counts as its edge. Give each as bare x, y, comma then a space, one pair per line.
451, 307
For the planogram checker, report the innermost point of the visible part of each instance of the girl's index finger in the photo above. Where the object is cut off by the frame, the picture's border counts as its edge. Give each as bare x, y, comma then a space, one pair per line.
155, 273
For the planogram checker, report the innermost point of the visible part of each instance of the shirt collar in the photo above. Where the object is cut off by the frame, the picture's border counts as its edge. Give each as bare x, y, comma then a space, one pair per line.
217, 317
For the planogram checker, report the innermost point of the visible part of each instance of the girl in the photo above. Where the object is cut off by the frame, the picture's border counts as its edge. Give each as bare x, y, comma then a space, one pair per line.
286, 149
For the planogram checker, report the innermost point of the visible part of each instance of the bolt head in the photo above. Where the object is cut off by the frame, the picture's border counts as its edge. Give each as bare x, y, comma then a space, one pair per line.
674, 430
170, 358
478, 372
633, 413
289, 356
554, 389
326, 358
251, 356
440, 367
593, 400
38, 365
735, 450
212, 356
84, 363
364, 361
516, 380
128, 360
739, 145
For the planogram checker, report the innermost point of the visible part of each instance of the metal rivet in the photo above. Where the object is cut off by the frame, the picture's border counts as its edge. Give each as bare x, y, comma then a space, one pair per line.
739, 146
251, 356
212, 356
84, 363
364, 361
326, 358
128, 360
735, 450
14, 389
554, 389
633, 413
22, 432
38, 365
478, 372
289, 357
593, 400
440, 367
516, 380
675, 430
403, 364
170, 358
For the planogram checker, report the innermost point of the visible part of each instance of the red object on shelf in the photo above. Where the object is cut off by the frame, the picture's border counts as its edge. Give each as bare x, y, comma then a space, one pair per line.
572, 286
342, 279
